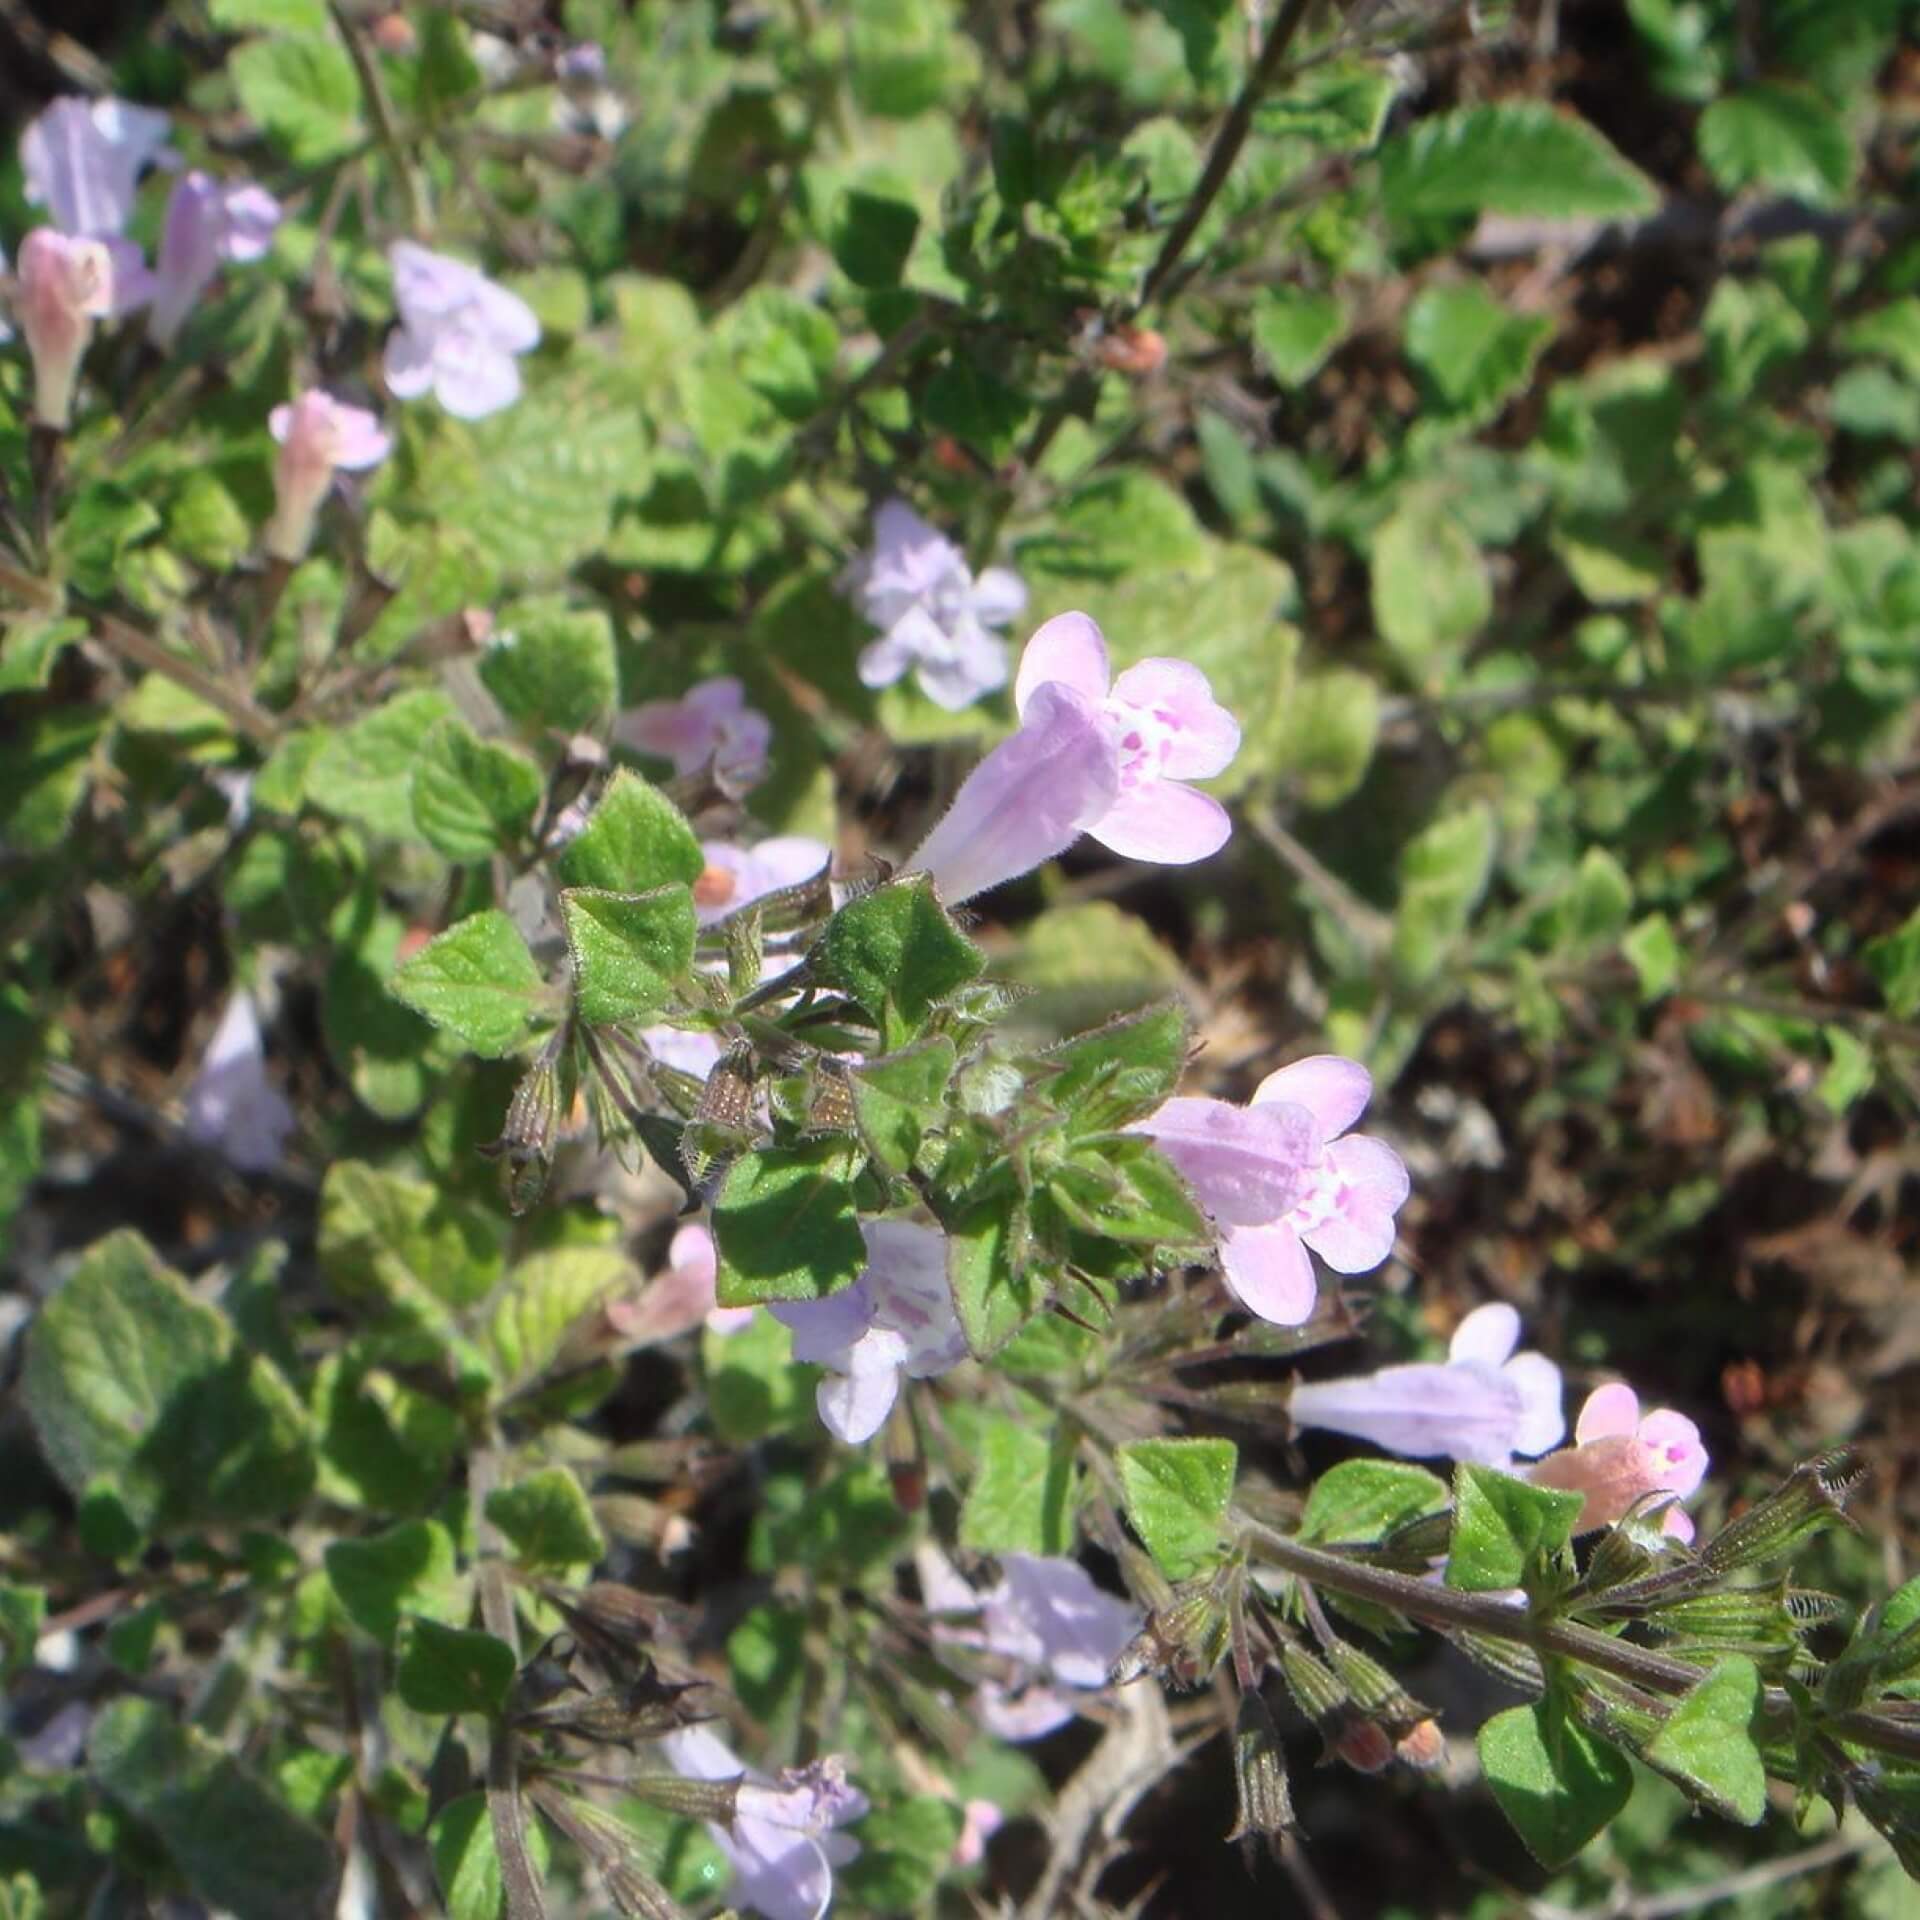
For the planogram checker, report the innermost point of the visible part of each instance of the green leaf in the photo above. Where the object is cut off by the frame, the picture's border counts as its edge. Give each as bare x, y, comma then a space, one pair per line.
1091, 962
270, 16
1783, 137
636, 840
1517, 157
1443, 872
896, 949
897, 1097
872, 236
1475, 353
389, 1577
1331, 727
1362, 1501
996, 1287
471, 797
453, 1669
785, 1225
384, 1444
133, 1382
302, 92
1707, 1742
1556, 1782
545, 1298
1431, 593
552, 667
1294, 331
906, 1850
1177, 1493
1596, 911
754, 1385
628, 949
29, 645
403, 1245
1850, 1073
465, 1862
1340, 105
1122, 1071
23, 1612
364, 773
237, 1846
1656, 955
477, 981
1894, 961
1021, 1499
532, 489
548, 1521
1501, 1525
1124, 1189
43, 774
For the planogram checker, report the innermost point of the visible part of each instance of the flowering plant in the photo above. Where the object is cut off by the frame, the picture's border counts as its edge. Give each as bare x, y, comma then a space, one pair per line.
817, 1019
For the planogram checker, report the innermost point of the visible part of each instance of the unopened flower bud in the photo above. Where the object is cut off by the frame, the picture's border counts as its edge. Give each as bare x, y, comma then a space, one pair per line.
1319, 1694
1182, 1641
1263, 1807
1423, 1746
1812, 1497
65, 286
715, 1800
1374, 1690
318, 436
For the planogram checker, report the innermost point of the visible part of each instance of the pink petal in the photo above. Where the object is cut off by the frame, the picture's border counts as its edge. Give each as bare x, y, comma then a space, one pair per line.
1027, 801
1543, 1420
999, 596
719, 699
1610, 1410
691, 1250
1681, 1461
1356, 1237
1488, 1334
1366, 1165
1333, 1089
1068, 650
472, 376
1203, 736
1248, 1165
970, 664
1677, 1523
1268, 1272
1163, 821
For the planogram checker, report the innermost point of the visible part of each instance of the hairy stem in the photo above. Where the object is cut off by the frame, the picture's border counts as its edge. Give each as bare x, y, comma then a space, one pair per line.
145, 651
380, 111
1226, 147
1656, 1673
505, 1808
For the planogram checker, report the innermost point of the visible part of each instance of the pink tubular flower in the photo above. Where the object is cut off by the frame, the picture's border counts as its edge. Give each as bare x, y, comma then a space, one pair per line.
318, 436
1058, 1632
82, 161
458, 334
934, 616
65, 286
782, 1845
208, 225
1168, 729
1486, 1404
980, 1820
679, 1299
231, 1104
1619, 1456
713, 723
1031, 798
735, 877
1283, 1174
895, 1321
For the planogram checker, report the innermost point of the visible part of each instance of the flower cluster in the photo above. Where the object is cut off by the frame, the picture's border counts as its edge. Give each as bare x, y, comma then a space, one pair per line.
935, 619
1283, 1175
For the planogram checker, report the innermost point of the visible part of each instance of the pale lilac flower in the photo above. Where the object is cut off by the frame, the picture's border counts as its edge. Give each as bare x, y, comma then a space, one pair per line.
980, 1820
1030, 798
783, 1844
1619, 1456
65, 285
1168, 728
692, 1256
209, 224
713, 723
6, 332
458, 334
692, 1050
1283, 1174
584, 60
896, 1320
1059, 1633
318, 436
83, 160
735, 877
1483, 1406
934, 616
232, 1104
